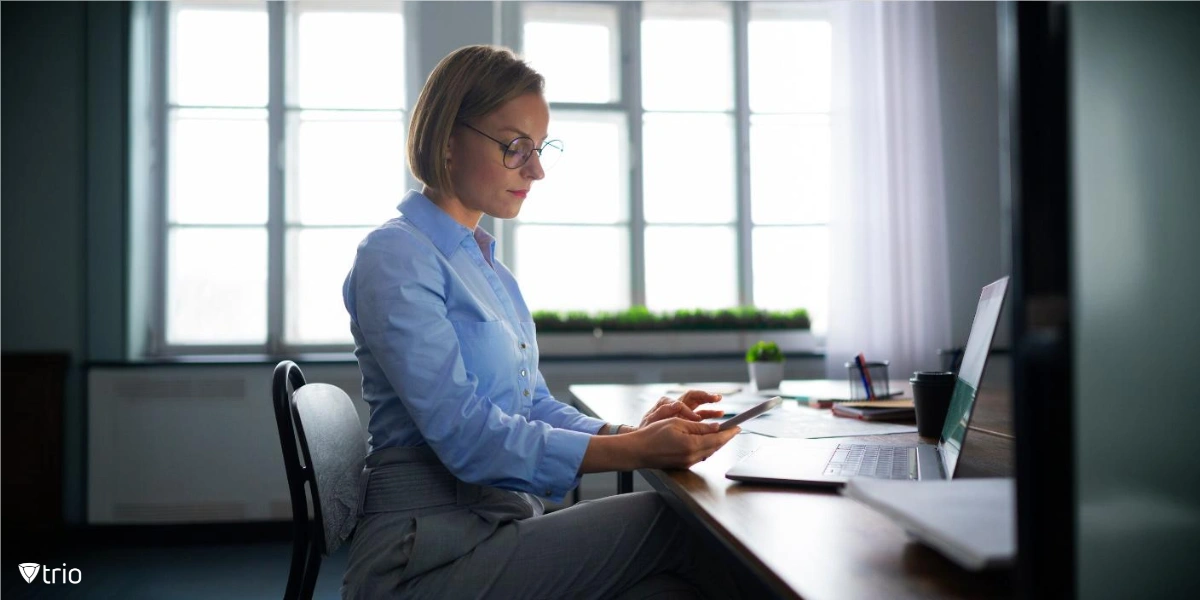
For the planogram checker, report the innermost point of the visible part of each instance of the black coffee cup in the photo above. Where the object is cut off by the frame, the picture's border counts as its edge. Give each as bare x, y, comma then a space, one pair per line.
932, 391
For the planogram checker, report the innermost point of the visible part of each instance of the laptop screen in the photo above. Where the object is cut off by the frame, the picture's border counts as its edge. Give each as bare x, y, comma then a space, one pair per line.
970, 373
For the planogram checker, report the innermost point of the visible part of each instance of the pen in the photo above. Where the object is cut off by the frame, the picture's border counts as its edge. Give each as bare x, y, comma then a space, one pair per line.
866, 377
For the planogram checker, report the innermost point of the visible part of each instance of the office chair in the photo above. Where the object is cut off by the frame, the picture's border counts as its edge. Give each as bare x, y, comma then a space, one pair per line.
318, 422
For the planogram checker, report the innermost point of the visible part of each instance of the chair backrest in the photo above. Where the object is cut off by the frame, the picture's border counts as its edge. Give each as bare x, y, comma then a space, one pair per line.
318, 422
335, 447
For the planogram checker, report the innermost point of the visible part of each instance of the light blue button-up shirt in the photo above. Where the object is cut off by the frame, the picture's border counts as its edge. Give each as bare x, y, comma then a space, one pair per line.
449, 356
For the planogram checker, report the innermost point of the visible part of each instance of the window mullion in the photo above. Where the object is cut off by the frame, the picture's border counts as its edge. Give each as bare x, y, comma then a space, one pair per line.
276, 133
512, 34
413, 76
160, 59
741, 71
631, 96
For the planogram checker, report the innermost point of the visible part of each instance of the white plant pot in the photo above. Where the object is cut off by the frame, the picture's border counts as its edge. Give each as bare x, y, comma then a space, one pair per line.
766, 375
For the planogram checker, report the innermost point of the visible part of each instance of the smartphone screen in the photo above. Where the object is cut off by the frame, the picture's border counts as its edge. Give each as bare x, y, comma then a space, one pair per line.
750, 414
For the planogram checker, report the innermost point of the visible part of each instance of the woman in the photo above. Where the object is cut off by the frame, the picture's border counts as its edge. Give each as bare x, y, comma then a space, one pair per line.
465, 436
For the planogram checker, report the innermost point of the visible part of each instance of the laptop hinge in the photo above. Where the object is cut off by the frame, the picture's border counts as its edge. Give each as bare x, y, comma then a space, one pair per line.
929, 462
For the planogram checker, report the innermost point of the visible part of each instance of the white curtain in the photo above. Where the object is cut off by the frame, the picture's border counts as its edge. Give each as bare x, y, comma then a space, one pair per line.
889, 288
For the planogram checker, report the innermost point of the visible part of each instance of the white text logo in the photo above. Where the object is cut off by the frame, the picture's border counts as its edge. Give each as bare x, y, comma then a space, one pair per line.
29, 571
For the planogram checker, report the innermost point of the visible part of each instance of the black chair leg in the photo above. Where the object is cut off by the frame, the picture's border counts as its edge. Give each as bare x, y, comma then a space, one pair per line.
624, 482
297, 569
295, 574
311, 569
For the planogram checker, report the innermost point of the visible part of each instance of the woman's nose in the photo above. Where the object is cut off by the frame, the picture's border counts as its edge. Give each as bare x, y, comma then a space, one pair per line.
533, 167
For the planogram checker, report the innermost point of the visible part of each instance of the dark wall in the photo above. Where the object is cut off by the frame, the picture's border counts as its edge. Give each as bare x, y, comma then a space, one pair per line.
64, 172
44, 188
1136, 151
43, 185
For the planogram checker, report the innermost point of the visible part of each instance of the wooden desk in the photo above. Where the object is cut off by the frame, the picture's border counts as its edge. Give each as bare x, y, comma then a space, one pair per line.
816, 544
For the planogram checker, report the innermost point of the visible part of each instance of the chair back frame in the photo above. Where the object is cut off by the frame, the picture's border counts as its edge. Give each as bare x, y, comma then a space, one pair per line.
308, 537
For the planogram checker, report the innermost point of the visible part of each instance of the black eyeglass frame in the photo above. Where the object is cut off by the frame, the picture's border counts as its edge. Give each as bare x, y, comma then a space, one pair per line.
508, 148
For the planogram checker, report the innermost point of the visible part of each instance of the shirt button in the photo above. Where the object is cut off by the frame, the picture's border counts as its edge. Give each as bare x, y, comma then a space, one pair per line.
522, 345
546, 493
523, 372
526, 393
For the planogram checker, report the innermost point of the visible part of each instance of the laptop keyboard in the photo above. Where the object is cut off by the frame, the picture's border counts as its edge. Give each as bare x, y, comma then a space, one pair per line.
881, 462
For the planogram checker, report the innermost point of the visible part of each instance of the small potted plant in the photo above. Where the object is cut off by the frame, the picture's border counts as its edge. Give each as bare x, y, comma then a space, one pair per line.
766, 365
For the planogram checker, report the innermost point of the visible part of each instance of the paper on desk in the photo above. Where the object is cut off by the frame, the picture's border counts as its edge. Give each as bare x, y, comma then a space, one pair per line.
732, 402
726, 390
970, 521
710, 387
794, 421
825, 389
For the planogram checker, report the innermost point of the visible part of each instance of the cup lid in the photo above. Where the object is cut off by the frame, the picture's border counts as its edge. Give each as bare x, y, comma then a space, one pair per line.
869, 363
933, 377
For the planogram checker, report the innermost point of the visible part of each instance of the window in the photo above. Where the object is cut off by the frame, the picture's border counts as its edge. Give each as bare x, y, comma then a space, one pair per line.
586, 203
790, 89
282, 140
697, 167
696, 172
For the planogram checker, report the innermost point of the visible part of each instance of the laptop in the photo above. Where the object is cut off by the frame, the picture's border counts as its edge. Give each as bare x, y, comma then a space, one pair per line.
821, 463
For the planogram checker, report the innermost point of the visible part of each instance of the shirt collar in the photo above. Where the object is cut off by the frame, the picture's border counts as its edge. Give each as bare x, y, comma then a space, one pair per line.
445, 233
487, 244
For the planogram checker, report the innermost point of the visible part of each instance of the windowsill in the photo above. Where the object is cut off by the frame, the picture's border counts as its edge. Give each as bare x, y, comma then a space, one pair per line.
554, 347
334, 358
656, 344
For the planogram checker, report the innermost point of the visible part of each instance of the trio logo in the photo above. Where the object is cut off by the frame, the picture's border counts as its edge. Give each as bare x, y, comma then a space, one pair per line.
29, 571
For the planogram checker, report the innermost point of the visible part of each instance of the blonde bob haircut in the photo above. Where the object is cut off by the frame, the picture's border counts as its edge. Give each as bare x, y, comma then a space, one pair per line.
467, 84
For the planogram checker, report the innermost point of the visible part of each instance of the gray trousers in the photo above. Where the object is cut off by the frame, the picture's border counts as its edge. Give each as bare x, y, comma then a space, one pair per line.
627, 546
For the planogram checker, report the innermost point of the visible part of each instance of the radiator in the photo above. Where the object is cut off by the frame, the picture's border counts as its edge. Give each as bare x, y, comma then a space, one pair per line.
190, 443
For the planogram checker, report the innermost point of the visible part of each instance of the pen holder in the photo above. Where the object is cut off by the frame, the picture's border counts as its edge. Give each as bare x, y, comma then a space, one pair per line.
878, 372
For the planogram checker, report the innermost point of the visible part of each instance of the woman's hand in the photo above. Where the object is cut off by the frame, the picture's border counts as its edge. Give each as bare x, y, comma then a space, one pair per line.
678, 443
683, 408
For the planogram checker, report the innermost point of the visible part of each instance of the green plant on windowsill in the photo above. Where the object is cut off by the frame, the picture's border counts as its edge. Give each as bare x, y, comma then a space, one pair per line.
639, 318
763, 351
765, 362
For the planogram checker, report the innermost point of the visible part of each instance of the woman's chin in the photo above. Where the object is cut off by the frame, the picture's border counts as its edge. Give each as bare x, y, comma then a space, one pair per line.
507, 212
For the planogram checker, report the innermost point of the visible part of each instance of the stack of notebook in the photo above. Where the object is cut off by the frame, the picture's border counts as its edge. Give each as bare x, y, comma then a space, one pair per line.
877, 410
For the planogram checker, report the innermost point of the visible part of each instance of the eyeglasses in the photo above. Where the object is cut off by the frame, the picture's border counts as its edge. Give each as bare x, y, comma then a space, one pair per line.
518, 151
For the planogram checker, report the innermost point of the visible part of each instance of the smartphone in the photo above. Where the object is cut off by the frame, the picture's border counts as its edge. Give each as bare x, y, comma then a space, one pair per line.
744, 416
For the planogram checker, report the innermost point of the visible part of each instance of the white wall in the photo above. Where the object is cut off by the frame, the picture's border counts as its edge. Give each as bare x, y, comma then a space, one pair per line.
971, 143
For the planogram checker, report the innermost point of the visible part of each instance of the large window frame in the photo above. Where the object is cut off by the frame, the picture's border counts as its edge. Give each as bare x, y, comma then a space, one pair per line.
152, 215
281, 167
631, 106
